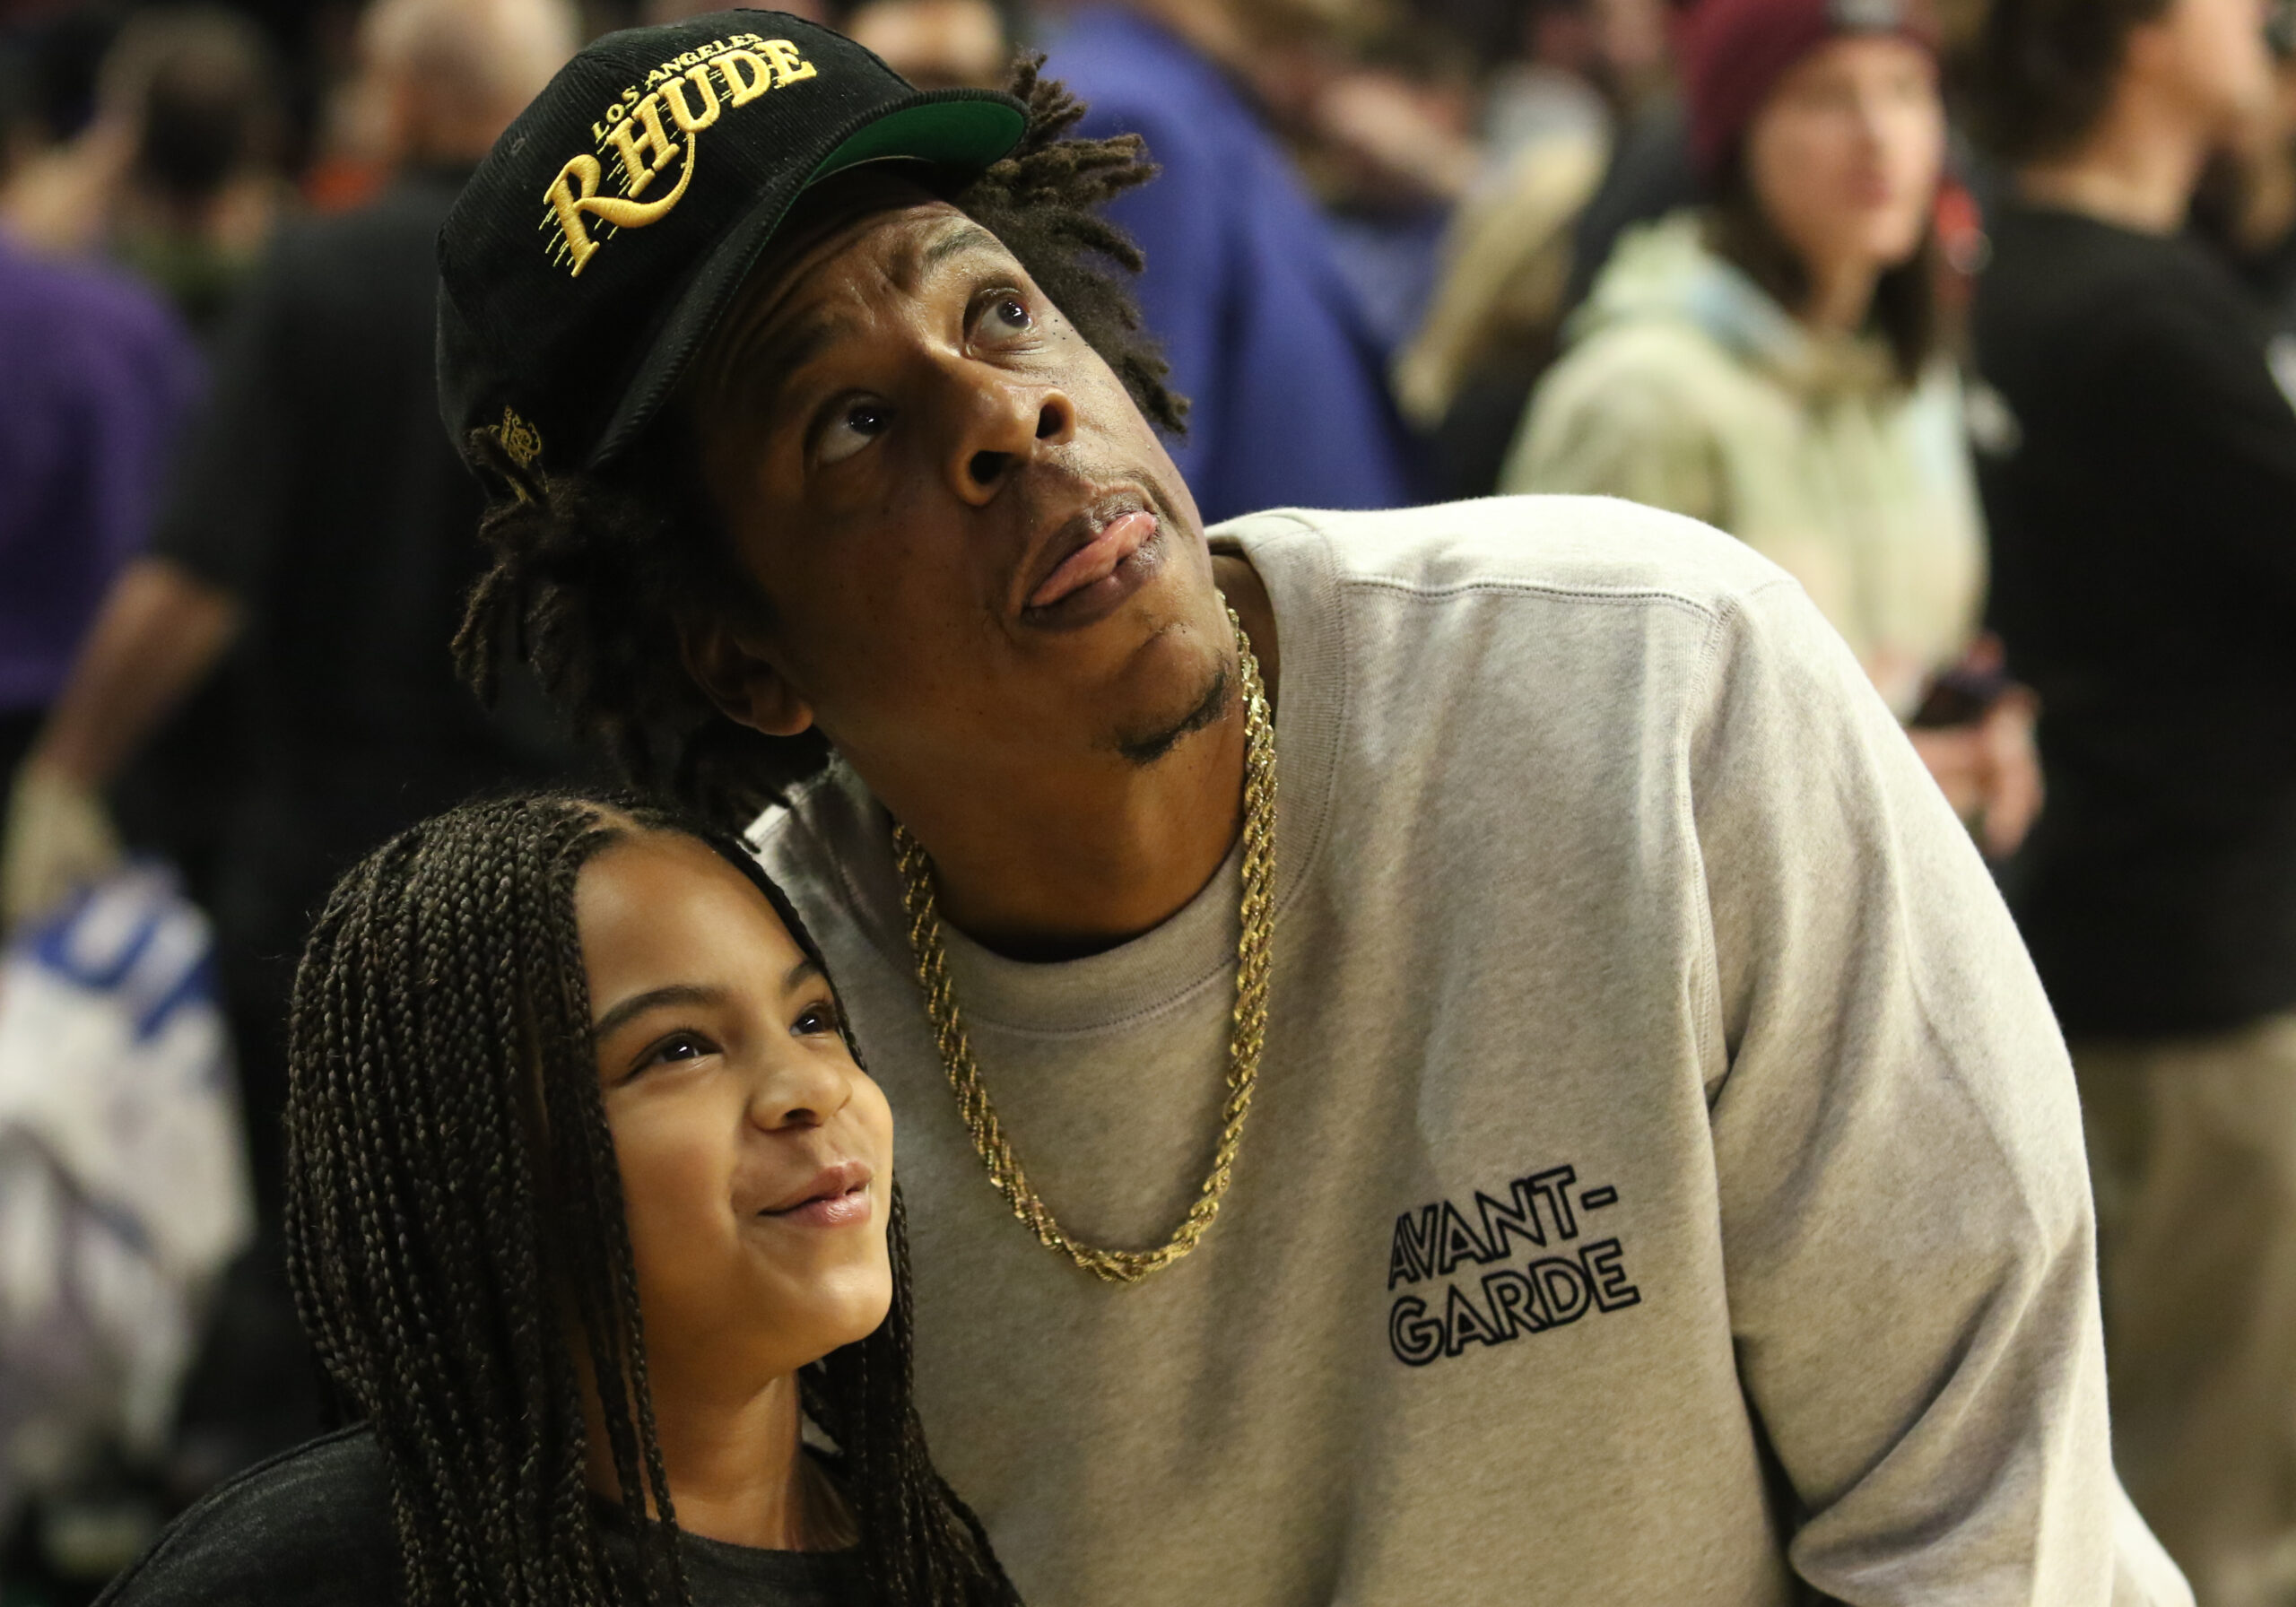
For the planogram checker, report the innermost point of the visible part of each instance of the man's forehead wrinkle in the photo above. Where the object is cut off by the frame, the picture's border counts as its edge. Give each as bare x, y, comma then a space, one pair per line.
784, 274
828, 288
915, 259
814, 261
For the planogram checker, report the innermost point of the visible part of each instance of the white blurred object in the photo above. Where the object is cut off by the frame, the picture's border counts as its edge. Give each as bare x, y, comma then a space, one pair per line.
59, 839
124, 1188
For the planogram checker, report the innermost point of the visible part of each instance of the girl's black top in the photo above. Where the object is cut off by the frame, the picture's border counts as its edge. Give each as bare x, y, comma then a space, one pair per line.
313, 1526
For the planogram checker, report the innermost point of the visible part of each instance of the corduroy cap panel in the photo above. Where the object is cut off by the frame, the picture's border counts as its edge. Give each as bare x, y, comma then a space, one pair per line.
606, 232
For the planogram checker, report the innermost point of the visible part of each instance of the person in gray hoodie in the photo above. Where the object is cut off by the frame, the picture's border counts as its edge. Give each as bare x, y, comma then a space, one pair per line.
1449, 1056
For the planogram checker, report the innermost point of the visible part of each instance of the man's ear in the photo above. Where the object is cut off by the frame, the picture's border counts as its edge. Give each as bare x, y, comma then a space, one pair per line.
734, 676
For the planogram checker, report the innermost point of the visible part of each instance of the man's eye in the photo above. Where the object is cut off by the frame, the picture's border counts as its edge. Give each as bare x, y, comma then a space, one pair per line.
853, 426
1005, 313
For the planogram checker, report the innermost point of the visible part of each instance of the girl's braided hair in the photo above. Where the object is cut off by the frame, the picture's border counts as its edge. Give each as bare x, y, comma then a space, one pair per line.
593, 574
455, 1218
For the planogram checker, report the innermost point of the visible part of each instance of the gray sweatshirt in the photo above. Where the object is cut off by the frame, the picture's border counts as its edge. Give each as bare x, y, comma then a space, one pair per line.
1664, 1180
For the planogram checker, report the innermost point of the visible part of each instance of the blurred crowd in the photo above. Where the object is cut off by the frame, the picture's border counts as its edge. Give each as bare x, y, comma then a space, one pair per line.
1980, 318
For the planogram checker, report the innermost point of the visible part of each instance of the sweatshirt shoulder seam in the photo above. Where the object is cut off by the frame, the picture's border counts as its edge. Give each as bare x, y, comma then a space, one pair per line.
1710, 1028
1716, 609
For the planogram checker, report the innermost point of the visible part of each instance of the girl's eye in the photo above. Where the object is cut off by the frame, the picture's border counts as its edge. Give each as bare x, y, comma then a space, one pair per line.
677, 1046
853, 426
814, 1020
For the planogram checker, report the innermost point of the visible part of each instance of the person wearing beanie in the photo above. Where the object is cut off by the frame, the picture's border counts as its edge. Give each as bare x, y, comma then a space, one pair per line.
1768, 362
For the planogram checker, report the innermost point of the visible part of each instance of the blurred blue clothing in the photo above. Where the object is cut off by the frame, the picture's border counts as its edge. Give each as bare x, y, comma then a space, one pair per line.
98, 375
1393, 259
1287, 383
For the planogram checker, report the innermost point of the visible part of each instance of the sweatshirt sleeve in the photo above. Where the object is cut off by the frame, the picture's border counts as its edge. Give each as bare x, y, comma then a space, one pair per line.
1907, 1232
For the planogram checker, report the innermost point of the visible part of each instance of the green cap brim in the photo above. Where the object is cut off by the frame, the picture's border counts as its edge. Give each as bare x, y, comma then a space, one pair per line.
959, 134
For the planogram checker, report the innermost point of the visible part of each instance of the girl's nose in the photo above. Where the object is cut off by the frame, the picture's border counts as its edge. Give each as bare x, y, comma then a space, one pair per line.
801, 1088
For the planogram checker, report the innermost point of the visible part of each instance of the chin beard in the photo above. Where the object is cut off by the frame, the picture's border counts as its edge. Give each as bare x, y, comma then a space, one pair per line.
1144, 748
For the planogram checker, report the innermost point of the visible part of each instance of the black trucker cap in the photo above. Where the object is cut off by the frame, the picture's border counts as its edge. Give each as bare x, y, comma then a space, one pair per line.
607, 232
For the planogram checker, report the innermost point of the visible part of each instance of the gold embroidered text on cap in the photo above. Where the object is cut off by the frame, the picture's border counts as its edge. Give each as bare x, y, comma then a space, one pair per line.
521, 440
633, 132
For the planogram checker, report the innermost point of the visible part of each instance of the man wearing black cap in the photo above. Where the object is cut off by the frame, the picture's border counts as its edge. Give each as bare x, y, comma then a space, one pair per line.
1525, 1091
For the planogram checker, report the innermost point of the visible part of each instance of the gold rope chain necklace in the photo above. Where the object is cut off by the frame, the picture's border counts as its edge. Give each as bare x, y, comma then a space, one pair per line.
1245, 1037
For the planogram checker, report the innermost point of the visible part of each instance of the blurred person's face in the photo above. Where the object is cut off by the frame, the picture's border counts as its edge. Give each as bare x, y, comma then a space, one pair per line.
440, 80
1844, 156
2208, 55
976, 557
2279, 116
655, 13
1630, 42
2266, 132
936, 44
756, 1157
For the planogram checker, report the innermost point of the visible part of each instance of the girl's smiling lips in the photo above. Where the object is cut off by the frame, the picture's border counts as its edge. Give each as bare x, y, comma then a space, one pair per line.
836, 1196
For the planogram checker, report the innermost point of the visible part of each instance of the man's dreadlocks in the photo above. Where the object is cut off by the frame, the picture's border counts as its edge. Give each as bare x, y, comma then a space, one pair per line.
454, 1210
593, 574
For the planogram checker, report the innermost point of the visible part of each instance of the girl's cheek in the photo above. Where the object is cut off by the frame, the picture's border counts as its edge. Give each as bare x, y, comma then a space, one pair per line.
667, 1173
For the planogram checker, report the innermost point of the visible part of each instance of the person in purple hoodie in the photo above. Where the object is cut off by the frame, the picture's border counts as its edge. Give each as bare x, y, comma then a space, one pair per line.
99, 375
1290, 404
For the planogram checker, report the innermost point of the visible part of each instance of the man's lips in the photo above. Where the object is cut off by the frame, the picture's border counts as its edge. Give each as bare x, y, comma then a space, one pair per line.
836, 1196
1096, 558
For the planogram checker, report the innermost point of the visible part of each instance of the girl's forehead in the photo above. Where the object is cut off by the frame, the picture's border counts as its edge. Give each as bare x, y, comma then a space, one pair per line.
656, 888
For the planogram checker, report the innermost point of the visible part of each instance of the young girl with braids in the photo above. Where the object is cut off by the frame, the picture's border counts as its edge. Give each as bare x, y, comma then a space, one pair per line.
591, 1209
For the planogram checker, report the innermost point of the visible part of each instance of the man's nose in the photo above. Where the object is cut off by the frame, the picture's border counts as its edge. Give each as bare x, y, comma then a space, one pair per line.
1005, 423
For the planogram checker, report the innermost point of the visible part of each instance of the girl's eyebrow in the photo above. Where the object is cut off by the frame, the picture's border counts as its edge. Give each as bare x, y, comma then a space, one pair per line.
693, 993
637, 1004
